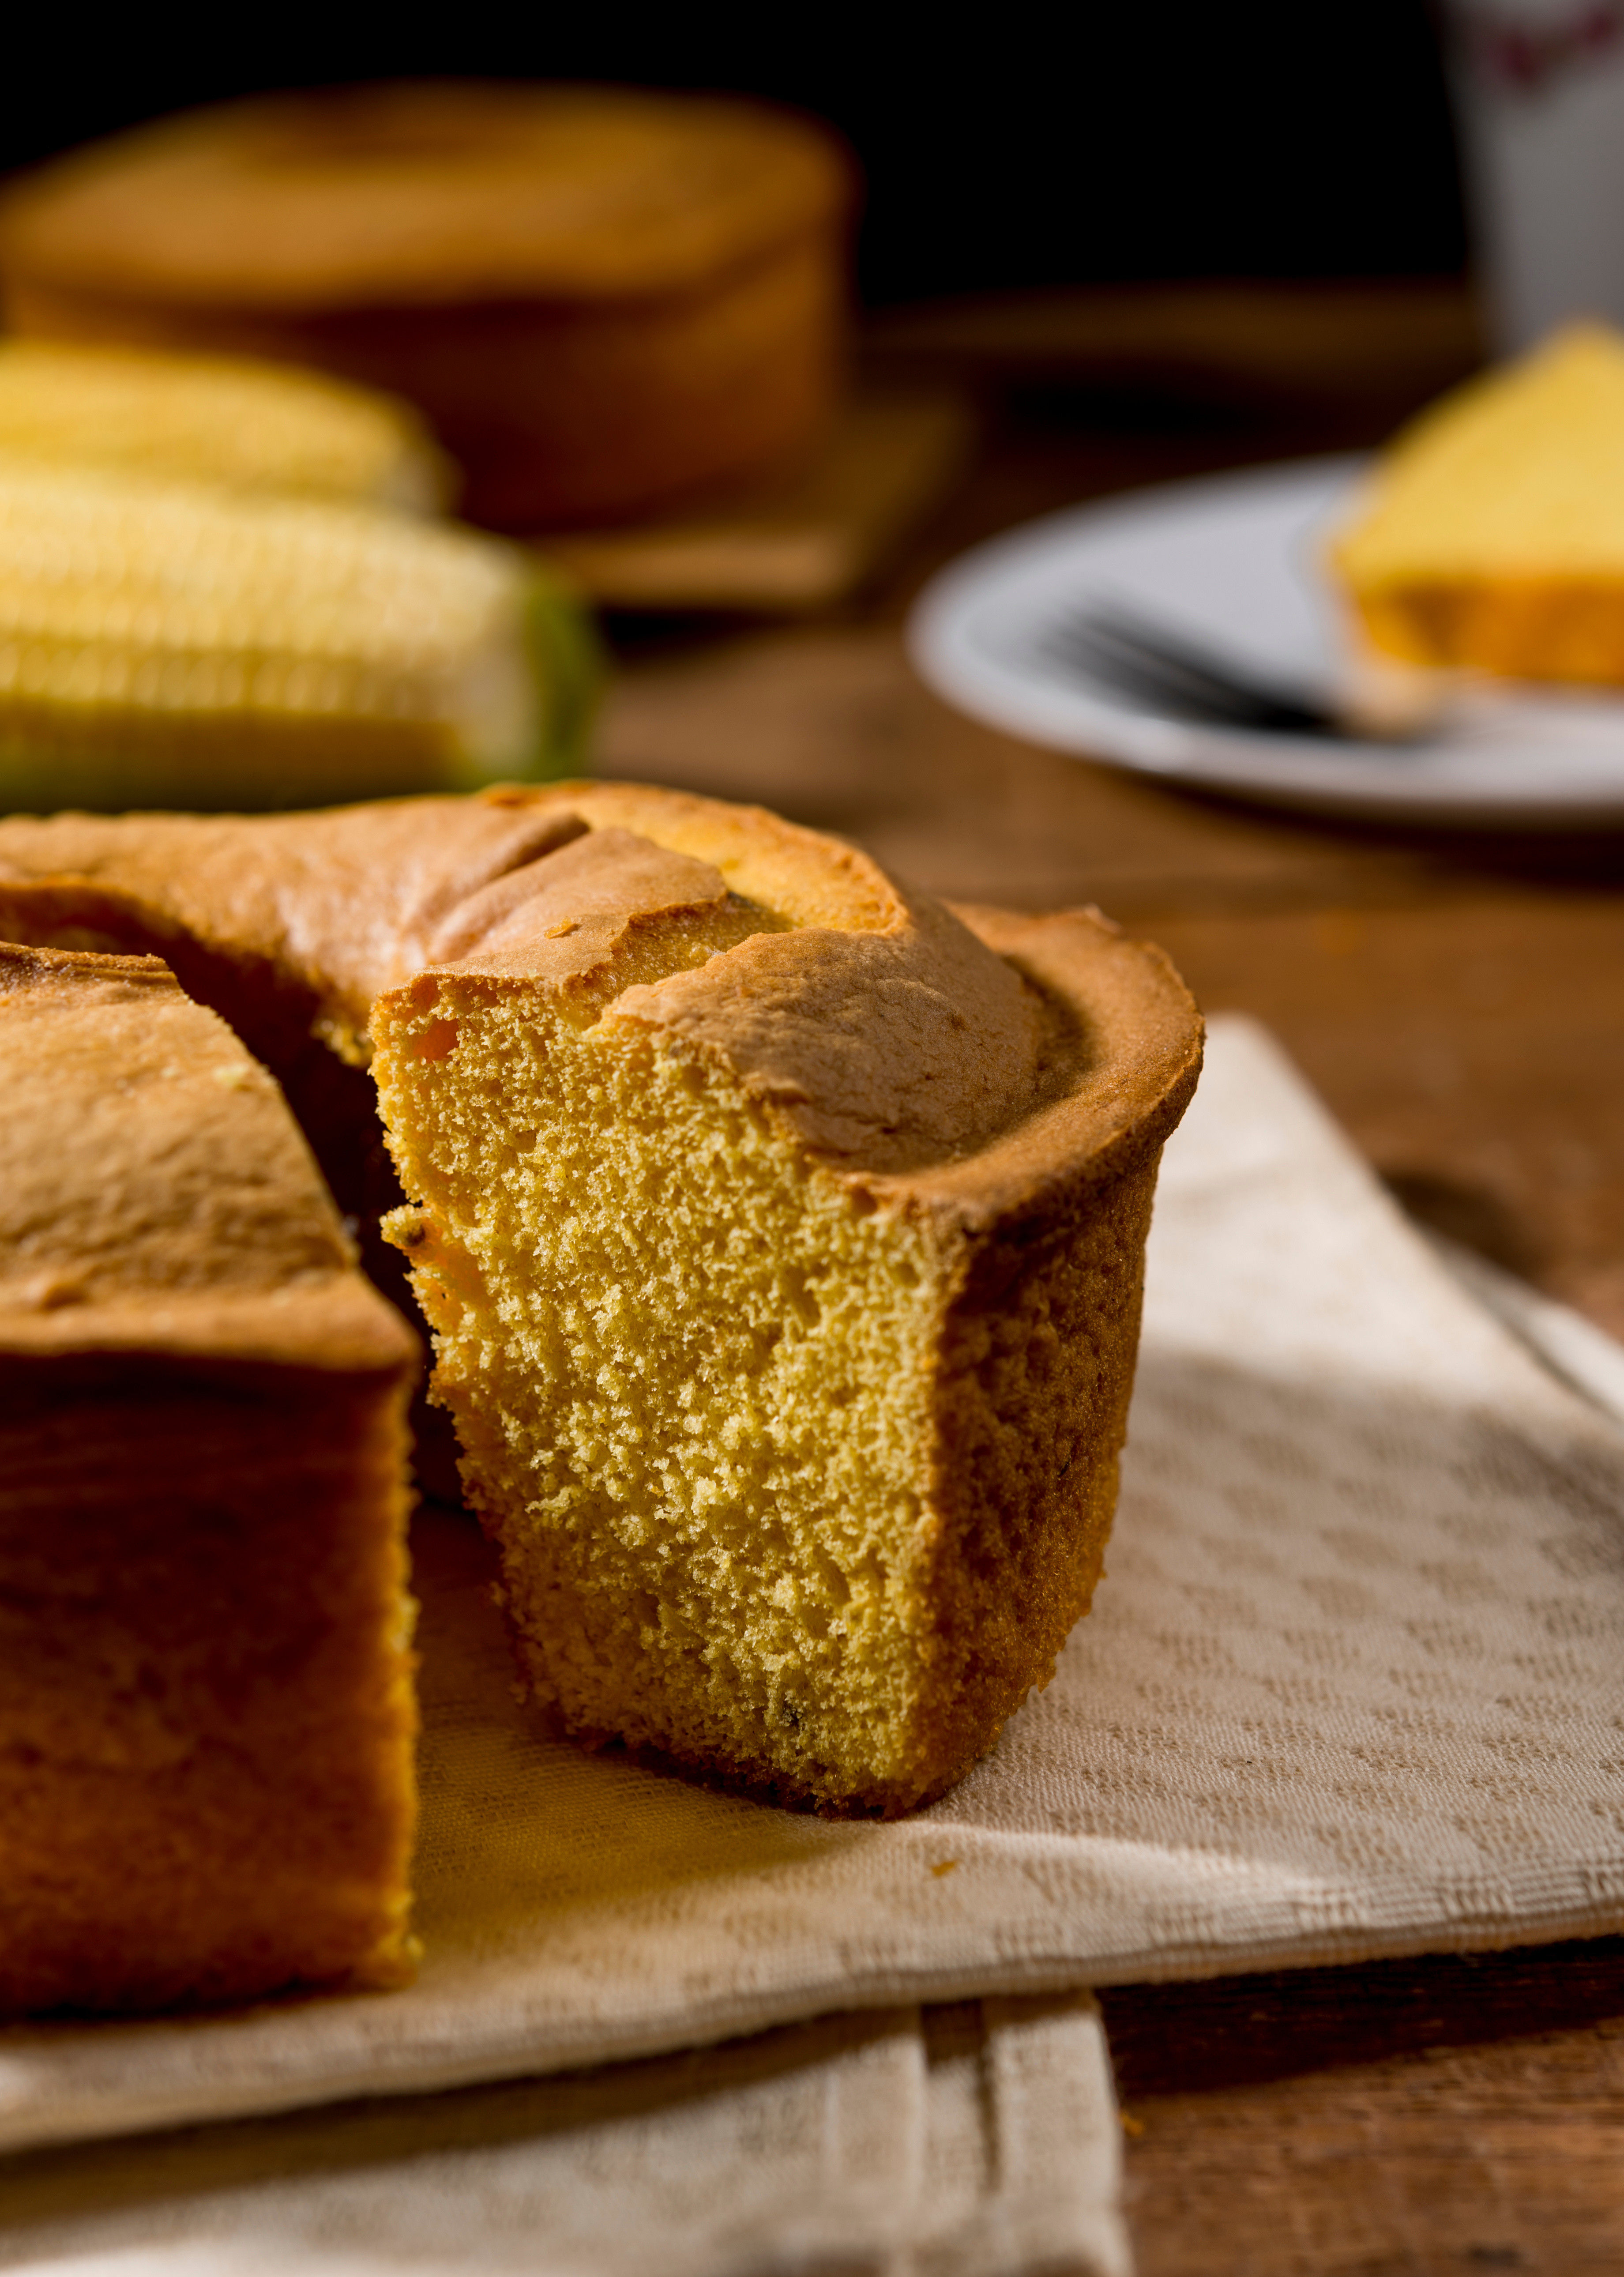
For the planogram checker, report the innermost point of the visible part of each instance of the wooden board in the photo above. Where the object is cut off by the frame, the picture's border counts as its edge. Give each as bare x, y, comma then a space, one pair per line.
804, 541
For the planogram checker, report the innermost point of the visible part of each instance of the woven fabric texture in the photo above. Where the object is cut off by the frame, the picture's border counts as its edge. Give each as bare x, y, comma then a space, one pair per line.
979, 2139
1352, 1687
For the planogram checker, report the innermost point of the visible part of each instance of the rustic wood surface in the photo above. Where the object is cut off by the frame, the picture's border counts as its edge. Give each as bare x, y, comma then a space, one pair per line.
803, 539
1403, 2120
1459, 1003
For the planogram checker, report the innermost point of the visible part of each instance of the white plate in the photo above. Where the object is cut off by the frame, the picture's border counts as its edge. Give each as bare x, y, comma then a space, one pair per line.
1235, 559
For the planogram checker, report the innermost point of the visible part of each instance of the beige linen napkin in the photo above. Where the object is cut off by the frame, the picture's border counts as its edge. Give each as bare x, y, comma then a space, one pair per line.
980, 2140
1352, 1687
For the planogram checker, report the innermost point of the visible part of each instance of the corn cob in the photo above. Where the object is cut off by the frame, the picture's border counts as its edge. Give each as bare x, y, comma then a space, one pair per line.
246, 426
163, 644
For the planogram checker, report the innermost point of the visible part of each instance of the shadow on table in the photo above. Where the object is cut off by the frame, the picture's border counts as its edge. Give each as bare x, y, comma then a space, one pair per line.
1240, 2031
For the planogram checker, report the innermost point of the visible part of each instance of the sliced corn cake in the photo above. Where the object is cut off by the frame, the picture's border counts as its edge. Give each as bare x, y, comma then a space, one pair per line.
1491, 535
206, 1707
781, 1235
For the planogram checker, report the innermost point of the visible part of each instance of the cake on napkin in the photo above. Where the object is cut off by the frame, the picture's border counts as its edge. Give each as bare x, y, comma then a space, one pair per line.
781, 1236
1353, 1688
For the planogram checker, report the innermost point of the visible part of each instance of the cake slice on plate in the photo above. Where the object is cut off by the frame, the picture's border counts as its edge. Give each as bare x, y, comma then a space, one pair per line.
1491, 535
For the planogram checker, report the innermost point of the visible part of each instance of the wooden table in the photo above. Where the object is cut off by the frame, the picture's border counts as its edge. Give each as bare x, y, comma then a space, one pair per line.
1459, 1003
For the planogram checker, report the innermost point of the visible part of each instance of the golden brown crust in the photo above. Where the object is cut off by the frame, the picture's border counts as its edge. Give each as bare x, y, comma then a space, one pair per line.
1487, 536
880, 1030
1007, 1085
399, 195
155, 1193
1035, 1372
962, 1071
1035, 1368
206, 1718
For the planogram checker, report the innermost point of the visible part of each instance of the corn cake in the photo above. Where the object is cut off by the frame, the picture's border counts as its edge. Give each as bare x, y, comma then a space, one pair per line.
1491, 536
602, 298
779, 1233
206, 1705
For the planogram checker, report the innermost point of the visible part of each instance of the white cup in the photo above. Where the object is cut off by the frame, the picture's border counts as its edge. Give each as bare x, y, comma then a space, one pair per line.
1539, 96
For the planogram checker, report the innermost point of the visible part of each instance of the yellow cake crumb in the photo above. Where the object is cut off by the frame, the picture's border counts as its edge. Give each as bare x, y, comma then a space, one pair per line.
1491, 536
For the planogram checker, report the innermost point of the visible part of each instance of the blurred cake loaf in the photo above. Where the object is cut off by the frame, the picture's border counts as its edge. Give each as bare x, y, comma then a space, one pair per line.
205, 1710
1492, 533
781, 1235
601, 300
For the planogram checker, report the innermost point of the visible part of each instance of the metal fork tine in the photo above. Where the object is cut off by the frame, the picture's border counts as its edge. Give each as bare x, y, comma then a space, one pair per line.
1165, 654
1105, 644
1133, 676
1163, 642
1173, 673
1176, 656
1148, 681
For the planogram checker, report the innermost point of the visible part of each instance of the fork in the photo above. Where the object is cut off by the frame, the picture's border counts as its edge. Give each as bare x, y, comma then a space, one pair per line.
1172, 672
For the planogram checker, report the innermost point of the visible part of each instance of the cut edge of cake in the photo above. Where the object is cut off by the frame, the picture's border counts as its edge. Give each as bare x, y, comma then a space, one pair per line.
793, 1404
968, 1125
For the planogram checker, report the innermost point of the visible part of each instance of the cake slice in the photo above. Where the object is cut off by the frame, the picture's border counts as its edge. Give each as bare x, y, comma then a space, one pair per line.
1493, 532
781, 1234
206, 1711
782, 1245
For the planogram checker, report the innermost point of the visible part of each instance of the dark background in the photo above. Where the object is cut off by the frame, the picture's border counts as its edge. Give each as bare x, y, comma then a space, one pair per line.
1003, 145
